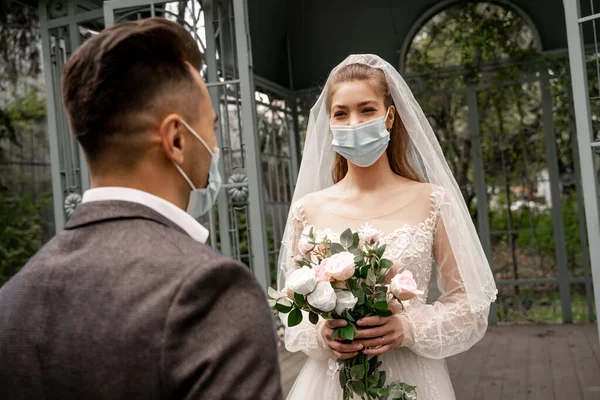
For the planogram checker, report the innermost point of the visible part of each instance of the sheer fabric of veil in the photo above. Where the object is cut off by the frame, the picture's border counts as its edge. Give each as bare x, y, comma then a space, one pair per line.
426, 158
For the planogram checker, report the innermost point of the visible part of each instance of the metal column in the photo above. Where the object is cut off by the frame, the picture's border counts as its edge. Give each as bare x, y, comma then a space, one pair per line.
587, 145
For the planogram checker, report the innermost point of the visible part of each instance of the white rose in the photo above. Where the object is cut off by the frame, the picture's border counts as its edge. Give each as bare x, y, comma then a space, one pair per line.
345, 301
341, 266
369, 234
323, 298
303, 280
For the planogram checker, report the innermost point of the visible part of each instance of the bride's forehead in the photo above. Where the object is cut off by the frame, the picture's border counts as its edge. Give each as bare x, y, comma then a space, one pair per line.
355, 92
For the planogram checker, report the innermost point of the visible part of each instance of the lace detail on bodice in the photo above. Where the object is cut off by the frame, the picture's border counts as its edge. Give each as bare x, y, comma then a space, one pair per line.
409, 247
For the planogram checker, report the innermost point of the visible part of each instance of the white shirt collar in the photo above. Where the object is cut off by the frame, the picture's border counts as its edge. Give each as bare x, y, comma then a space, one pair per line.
161, 206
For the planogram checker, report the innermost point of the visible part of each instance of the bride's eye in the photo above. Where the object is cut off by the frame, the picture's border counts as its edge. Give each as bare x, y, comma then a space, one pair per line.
368, 110
338, 114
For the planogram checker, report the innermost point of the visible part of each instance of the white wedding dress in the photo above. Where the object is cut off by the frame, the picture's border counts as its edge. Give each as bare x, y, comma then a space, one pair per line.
416, 241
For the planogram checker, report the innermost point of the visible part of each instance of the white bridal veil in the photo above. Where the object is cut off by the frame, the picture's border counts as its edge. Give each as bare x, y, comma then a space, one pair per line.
427, 159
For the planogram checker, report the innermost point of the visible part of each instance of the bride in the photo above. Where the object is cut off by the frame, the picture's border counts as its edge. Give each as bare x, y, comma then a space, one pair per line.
372, 164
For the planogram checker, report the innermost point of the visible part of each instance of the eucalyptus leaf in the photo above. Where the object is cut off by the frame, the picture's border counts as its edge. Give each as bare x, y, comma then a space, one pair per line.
381, 305
358, 388
355, 240
336, 248
295, 318
386, 264
371, 280
313, 318
357, 372
346, 239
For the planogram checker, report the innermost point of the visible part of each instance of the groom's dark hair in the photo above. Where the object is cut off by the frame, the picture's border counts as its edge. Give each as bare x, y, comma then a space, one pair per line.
128, 69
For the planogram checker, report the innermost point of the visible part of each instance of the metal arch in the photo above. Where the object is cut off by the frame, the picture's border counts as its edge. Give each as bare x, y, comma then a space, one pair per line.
444, 5
167, 12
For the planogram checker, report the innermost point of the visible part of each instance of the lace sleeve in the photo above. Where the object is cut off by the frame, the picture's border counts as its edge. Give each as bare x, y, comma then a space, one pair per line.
450, 325
304, 337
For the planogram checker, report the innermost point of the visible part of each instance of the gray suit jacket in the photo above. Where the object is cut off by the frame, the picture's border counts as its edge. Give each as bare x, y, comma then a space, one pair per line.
124, 305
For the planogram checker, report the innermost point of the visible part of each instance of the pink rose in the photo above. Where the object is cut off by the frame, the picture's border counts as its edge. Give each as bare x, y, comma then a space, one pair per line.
341, 266
404, 287
321, 271
304, 245
369, 233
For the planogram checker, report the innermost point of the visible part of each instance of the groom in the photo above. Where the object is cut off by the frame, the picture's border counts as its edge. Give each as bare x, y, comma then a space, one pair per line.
128, 302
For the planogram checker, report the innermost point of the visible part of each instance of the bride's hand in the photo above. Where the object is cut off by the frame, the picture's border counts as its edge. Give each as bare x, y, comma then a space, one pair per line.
380, 334
341, 350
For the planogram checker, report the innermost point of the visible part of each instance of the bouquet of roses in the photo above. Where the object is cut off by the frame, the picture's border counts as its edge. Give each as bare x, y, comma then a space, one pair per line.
347, 280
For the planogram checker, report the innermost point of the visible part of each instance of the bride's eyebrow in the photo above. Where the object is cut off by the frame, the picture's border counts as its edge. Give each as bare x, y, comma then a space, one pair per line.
361, 104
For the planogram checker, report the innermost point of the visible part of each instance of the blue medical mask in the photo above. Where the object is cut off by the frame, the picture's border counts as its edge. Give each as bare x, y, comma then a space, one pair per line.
202, 200
361, 144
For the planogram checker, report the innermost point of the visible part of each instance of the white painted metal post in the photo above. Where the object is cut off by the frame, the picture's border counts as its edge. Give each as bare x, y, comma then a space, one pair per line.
584, 137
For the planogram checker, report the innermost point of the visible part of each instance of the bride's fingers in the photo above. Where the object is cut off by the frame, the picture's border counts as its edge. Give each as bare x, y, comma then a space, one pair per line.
345, 347
375, 342
378, 351
373, 332
373, 321
344, 356
336, 323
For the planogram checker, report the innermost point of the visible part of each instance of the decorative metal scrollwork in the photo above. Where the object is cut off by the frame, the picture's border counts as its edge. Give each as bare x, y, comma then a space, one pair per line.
72, 201
239, 193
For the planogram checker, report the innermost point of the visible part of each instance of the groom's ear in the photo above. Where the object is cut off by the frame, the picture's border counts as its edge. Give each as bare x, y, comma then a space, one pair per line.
172, 138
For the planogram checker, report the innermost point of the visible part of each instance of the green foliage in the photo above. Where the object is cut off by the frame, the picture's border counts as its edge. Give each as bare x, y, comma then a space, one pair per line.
20, 230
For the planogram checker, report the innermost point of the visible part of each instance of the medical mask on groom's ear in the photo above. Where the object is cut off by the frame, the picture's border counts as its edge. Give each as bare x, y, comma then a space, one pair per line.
201, 200
361, 144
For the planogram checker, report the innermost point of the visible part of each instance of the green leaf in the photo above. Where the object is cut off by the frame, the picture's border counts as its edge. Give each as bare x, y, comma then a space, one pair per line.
382, 378
300, 300
364, 271
380, 251
295, 318
355, 240
395, 390
335, 333
358, 388
313, 318
282, 308
381, 305
359, 256
274, 294
336, 248
357, 372
352, 284
343, 377
346, 239
348, 332
386, 264
371, 279
326, 316
348, 316
385, 313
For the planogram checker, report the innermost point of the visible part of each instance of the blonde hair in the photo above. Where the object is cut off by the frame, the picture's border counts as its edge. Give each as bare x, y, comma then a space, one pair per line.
397, 148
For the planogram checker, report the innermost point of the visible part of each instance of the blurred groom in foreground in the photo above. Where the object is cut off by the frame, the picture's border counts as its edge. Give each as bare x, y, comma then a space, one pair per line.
128, 302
